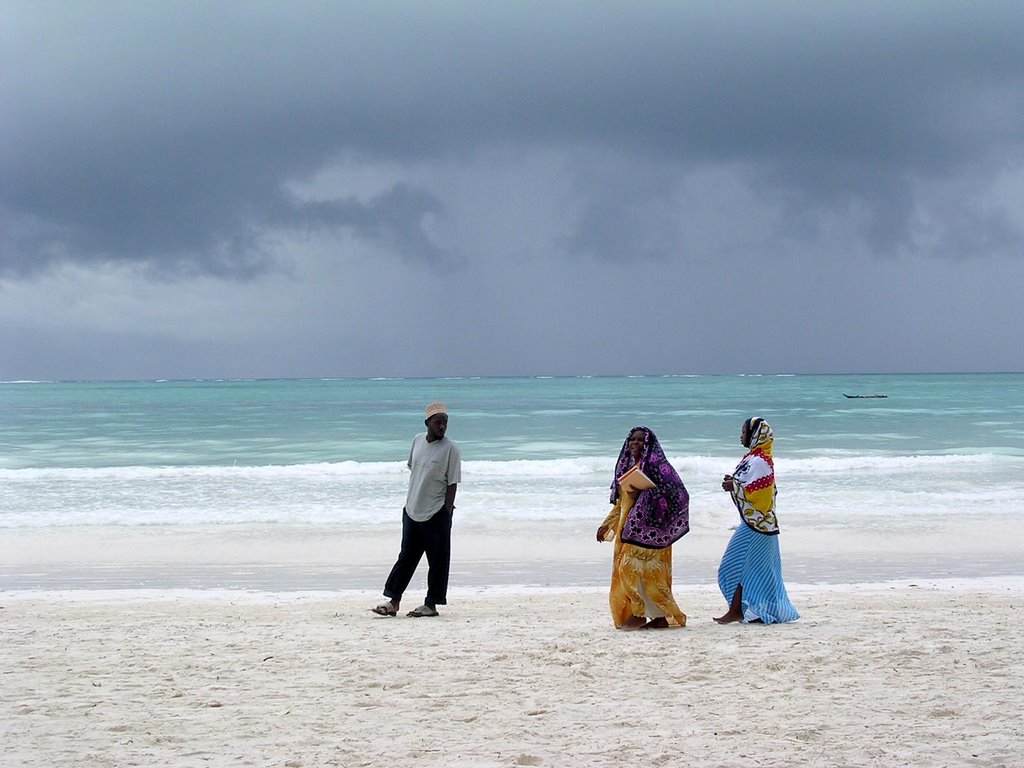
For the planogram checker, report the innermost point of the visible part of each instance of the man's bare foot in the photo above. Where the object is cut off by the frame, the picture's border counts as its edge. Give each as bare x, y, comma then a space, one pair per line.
729, 618
659, 623
633, 622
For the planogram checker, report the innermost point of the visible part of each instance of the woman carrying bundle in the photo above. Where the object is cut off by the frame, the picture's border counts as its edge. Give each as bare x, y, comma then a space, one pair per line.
646, 519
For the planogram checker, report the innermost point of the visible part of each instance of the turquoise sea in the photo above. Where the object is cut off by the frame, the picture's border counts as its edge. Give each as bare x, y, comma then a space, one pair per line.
935, 455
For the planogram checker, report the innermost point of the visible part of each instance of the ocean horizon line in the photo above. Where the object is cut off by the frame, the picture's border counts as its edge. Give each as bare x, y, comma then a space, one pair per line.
498, 377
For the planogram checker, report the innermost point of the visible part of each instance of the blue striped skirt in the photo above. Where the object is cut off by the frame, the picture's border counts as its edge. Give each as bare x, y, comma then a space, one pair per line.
752, 559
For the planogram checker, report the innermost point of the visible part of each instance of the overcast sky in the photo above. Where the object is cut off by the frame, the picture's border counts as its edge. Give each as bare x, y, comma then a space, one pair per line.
258, 189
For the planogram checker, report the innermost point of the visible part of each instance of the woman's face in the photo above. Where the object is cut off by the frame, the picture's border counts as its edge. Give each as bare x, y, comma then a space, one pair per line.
745, 435
636, 444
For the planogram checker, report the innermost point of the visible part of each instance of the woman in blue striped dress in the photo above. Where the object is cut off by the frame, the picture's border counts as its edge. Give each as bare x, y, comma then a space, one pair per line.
750, 575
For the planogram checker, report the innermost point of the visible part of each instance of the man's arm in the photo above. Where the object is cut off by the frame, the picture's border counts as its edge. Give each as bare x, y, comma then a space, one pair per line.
449, 497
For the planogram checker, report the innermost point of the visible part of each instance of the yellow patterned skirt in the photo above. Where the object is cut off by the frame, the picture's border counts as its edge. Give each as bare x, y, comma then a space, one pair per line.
641, 577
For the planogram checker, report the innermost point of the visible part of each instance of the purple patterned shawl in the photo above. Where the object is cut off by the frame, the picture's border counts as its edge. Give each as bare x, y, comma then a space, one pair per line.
661, 515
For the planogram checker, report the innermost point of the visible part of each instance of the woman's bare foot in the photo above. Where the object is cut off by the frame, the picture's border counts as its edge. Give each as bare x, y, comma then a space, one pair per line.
633, 622
735, 612
659, 623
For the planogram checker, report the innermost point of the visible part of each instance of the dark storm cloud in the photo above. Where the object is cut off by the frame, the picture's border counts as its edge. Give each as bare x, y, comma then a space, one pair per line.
171, 133
394, 218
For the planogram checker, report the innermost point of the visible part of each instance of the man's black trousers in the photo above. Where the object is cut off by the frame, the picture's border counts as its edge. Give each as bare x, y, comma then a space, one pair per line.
432, 537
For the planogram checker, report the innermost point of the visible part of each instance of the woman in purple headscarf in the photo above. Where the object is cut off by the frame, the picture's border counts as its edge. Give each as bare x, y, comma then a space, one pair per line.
644, 524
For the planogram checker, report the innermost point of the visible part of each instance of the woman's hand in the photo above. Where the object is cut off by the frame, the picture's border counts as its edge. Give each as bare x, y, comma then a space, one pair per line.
727, 483
602, 531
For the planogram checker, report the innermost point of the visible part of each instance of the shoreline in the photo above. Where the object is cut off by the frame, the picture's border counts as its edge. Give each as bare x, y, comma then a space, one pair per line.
334, 559
488, 577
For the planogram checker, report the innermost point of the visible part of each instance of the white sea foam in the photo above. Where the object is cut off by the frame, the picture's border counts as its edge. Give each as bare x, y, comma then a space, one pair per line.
821, 491
342, 470
530, 468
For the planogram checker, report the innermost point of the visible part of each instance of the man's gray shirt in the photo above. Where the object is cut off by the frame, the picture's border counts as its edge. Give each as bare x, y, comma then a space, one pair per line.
434, 467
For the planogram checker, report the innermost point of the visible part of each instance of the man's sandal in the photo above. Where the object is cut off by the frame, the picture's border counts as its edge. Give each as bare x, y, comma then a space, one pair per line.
423, 610
385, 609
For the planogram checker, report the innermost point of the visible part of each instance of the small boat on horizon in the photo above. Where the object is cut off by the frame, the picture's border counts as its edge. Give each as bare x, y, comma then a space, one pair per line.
863, 397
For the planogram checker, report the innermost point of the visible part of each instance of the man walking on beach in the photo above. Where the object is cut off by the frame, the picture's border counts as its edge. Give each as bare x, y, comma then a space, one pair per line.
436, 465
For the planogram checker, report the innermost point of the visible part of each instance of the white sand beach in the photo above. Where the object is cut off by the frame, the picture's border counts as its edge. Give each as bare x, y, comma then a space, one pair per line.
928, 674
